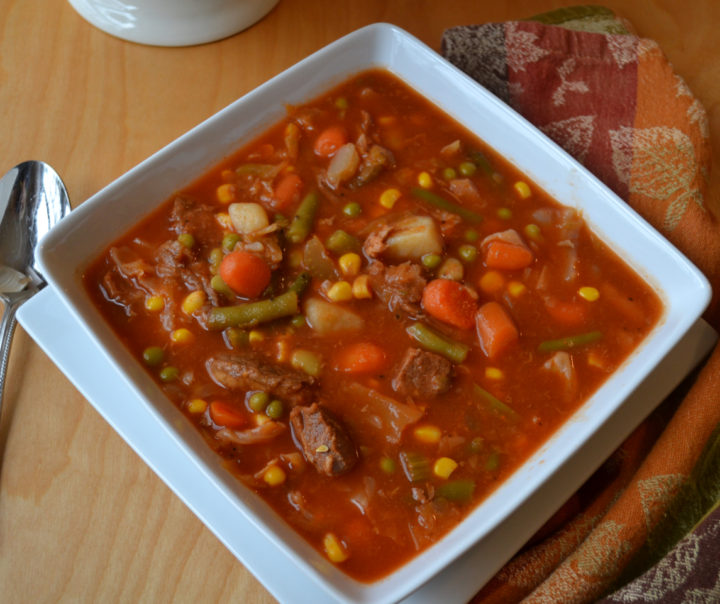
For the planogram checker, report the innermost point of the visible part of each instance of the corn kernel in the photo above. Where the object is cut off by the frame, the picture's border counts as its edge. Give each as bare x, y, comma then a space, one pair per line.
491, 282
389, 196
181, 336
154, 303
227, 175
425, 180
274, 475
223, 219
340, 291
444, 466
522, 189
197, 406
193, 302
595, 360
386, 120
261, 418
427, 434
334, 548
361, 287
226, 193
516, 288
589, 293
255, 336
493, 373
350, 264
283, 350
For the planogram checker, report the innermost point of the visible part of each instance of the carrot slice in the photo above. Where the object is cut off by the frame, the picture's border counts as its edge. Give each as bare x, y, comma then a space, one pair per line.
507, 256
495, 329
329, 141
287, 190
224, 414
361, 357
571, 314
450, 302
245, 273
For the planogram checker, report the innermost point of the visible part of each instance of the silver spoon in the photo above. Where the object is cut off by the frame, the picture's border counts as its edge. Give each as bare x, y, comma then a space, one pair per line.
32, 200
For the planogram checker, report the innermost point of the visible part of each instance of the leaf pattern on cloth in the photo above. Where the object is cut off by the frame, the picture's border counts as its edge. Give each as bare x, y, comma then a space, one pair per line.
622, 49
566, 85
520, 48
573, 134
685, 575
656, 493
664, 167
602, 551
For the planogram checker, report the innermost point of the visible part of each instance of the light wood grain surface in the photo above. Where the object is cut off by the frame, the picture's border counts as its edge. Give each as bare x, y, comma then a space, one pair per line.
82, 518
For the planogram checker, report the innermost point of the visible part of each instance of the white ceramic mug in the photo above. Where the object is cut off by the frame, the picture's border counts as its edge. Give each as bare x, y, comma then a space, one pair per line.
172, 22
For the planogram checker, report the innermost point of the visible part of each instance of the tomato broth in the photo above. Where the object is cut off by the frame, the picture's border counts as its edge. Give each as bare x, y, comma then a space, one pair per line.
372, 317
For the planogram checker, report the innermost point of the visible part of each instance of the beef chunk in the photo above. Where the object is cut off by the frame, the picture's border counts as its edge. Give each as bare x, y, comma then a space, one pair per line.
323, 440
249, 372
422, 374
399, 286
194, 218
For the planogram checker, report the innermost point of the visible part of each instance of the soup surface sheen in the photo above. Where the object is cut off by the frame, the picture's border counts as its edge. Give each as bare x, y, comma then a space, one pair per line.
371, 317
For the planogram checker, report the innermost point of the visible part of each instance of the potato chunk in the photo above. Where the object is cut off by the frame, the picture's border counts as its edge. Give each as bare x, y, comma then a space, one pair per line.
327, 318
412, 237
248, 217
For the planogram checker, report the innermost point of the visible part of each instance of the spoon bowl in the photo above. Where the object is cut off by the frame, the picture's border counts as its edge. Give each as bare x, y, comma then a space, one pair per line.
32, 200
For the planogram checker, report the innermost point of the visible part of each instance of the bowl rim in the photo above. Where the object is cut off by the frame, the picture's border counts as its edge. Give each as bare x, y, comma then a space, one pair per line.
390, 44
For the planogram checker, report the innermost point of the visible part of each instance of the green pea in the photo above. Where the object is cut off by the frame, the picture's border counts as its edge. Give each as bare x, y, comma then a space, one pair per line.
341, 102
257, 401
352, 209
217, 283
533, 231
388, 465
467, 168
153, 355
169, 373
186, 240
229, 241
449, 173
467, 252
471, 235
274, 410
431, 261
298, 321
504, 213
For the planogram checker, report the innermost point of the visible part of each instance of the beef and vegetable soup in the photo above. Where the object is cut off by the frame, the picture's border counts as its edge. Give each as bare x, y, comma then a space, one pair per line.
371, 317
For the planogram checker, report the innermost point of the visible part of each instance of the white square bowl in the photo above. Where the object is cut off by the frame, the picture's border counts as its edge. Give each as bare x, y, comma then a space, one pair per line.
68, 250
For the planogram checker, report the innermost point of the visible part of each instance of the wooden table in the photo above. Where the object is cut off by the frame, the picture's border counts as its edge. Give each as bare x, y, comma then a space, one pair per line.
82, 518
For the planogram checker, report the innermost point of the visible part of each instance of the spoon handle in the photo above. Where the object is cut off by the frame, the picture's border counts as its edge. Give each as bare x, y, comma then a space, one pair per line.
7, 329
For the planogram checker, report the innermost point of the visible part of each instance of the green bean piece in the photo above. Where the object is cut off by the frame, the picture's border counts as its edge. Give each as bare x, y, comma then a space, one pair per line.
341, 242
416, 466
459, 491
153, 355
570, 342
302, 222
252, 313
444, 204
300, 284
169, 373
186, 240
352, 209
258, 401
481, 162
217, 283
275, 409
494, 403
433, 341
492, 463
215, 258
236, 337
230, 240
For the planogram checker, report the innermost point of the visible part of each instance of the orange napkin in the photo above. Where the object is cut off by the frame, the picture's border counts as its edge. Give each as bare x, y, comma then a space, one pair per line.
613, 101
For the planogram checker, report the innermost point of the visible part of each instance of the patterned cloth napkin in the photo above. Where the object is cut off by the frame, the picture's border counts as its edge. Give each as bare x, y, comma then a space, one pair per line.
645, 526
